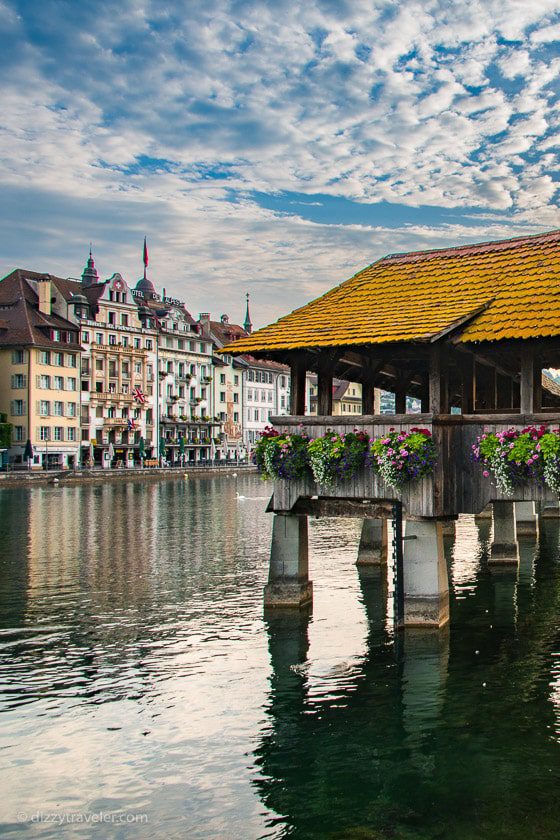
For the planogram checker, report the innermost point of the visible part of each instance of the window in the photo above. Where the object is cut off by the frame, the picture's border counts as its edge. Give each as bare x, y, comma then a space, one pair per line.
126, 369
58, 408
236, 380
44, 408
58, 433
19, 433
125, 341
180, 343
124, 320
44, 381
282, 381
193, 393
85, 336
71, 384
112, 368
202, 347
251, 376
99, 338
270, 396
44, 357
236, 398
283, 402
19, 380
192, 370
99, 388
99, 364
222, 396
112, 339
18, 357
111, 411
44, 433
58, 359
257, 415
59, 383
137, 344
70, 360
149, 344
18, 408
222, 379
111, 297
111, 320
72, 409
71, 433
55, 335
236, 417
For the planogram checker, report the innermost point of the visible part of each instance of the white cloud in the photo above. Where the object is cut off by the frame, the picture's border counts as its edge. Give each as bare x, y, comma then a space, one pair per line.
368, 102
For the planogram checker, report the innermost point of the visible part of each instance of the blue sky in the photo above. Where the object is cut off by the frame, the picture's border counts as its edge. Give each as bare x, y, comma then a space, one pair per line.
271, 147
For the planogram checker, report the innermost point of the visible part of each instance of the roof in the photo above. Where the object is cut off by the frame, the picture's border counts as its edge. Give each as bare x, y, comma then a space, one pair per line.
494, 290
20, 312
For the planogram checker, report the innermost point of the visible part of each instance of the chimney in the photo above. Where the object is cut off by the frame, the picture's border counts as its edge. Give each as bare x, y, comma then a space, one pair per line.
44, 290
204, 321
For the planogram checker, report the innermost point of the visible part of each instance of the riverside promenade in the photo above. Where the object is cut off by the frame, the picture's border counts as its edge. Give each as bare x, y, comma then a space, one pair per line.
67, 477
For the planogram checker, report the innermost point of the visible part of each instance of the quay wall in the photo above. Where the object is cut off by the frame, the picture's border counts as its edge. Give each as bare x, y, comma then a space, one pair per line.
100, 476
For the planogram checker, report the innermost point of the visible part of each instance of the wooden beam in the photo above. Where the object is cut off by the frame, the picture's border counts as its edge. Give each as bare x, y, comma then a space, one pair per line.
467, 384
439, 400
325, 372
297, 385
530, 384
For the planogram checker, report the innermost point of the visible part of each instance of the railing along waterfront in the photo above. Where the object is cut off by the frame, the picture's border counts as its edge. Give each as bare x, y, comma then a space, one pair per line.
457, 484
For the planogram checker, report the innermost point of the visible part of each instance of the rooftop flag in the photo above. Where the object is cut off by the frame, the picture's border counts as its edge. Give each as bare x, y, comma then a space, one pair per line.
145, 256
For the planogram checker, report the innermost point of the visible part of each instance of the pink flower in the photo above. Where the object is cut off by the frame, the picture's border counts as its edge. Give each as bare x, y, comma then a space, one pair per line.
485, 473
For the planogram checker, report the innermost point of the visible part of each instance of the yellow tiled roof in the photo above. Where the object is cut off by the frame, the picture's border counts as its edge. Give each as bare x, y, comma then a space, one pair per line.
506, 289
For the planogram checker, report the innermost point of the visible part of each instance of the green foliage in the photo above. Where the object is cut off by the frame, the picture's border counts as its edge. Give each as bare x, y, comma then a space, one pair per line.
334, 458
5, 435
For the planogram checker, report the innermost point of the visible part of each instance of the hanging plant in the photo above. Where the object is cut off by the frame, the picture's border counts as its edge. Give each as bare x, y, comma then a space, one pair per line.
282, 456
401, 457
514, 457
335, 458
510, 456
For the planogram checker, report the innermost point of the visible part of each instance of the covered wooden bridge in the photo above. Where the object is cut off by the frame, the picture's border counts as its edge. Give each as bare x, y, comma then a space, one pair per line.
469, 331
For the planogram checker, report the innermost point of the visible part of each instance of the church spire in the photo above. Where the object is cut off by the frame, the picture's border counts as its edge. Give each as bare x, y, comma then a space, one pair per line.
247, 326
89, 275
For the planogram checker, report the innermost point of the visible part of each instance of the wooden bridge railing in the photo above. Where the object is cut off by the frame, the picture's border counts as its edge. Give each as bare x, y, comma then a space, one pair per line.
457, 485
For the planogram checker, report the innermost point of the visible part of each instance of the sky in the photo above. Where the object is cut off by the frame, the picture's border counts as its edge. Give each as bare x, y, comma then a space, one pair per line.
274, 147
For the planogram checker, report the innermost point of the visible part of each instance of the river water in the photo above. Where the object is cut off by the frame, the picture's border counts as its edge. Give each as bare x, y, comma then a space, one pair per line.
143, 694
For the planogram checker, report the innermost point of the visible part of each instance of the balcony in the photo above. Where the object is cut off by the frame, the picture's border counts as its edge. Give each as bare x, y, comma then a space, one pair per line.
110, 396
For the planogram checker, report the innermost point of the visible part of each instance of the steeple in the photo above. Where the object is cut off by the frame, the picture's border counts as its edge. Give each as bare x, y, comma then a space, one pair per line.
247, 326
89, 275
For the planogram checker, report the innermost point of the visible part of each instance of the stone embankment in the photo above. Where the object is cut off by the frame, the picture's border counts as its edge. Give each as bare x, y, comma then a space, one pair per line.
23, 478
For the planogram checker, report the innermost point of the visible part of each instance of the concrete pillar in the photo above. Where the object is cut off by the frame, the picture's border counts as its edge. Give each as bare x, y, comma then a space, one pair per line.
288, 579
550, 510
526, 519
373, 543
505, 548
426, 590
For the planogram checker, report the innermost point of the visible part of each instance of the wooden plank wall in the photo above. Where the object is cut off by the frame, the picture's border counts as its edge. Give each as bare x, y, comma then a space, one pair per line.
457, 486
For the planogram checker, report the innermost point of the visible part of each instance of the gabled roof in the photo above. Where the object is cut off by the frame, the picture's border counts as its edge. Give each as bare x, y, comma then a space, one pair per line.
20, 311
490, 291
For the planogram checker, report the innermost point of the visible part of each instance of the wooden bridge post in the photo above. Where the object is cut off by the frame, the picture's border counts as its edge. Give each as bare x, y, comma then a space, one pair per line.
505, 548
526, 519
288, 580
373, 543
425, 584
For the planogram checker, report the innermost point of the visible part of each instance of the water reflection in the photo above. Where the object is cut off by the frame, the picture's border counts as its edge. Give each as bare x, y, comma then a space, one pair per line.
139, 674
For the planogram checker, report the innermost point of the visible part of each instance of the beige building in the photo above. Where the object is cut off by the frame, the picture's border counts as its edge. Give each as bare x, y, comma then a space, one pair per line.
40, 359
347, 397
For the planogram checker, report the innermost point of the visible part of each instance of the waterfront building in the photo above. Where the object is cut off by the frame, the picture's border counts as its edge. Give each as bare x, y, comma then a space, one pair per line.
266, 393
189, 430
40, 358
346, 397
227, 385
118, 371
